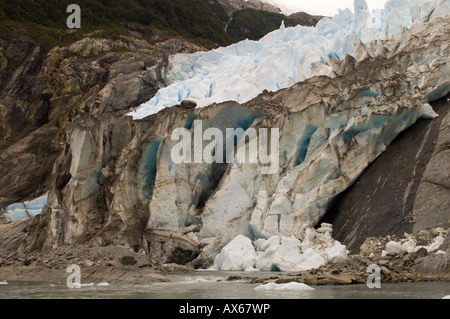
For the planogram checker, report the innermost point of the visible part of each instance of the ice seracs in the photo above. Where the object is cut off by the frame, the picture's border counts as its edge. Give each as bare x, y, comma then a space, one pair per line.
243, 70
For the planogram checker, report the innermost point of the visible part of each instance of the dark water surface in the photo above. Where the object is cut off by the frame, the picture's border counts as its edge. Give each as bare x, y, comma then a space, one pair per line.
212, 285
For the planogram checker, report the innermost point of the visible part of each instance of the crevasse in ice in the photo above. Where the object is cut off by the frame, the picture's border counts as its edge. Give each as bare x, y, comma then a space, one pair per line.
286, 56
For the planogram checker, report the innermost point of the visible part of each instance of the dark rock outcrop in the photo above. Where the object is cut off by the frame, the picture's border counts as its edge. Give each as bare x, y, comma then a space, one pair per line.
41, 92
405, 190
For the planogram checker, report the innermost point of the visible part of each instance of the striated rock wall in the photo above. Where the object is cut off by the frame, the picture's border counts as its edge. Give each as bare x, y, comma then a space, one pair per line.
404, 191
42, 91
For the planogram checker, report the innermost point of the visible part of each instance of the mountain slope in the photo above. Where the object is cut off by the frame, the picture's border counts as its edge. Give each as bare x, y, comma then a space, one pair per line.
200, 20
253, 24
232, 6
282, 6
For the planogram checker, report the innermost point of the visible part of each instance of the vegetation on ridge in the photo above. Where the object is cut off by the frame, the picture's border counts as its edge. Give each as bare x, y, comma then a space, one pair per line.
254, 24
200, 21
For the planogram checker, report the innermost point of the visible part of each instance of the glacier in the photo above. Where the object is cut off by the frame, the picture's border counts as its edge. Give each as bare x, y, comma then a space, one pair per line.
242, 71
230, 216
331, 129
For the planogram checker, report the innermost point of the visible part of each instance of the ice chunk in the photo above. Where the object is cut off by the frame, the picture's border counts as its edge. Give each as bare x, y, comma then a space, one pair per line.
409, 246
281, 253
284, 254
239, 254
291, 286
437, 242
393, 247
23, 211
336, 253
311, 260
427, 112
325, 228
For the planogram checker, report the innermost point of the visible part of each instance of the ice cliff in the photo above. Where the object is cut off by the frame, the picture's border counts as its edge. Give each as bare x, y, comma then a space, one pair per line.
349, 91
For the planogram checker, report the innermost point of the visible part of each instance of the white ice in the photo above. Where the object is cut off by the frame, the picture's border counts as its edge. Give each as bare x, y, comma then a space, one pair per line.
409, 245
286, 56
291, 286
23, 211
239, 254
103, 284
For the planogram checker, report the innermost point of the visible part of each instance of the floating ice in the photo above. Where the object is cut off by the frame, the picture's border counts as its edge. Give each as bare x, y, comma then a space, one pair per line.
195, 280
78, 285
283, 57
291, 286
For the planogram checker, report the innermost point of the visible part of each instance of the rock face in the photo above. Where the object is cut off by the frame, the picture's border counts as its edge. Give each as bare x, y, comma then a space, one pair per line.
41, 92
405, 190
116, 182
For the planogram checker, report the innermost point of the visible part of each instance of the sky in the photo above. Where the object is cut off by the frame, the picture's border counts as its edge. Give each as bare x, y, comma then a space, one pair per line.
324, 7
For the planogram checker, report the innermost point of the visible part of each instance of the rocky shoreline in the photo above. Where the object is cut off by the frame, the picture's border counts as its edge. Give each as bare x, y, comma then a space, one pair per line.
394, 269
419, 257
120, 265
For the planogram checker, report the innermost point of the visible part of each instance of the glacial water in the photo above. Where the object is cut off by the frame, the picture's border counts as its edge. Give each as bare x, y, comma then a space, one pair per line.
213, 285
